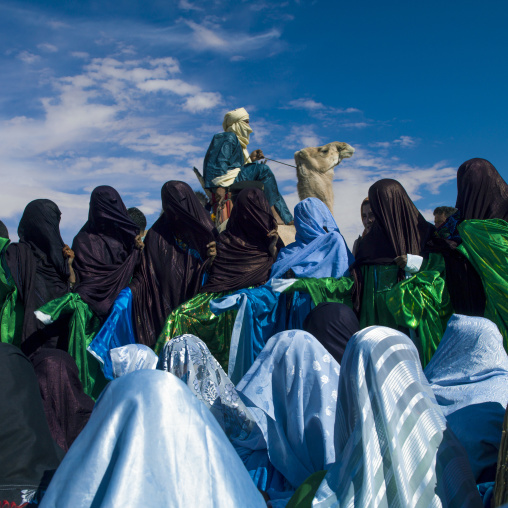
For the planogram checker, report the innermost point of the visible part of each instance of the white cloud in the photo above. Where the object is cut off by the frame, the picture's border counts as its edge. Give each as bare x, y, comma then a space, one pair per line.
28, 58
202, 101
188, 6
318, 107
302, 137
45, 46
402, 141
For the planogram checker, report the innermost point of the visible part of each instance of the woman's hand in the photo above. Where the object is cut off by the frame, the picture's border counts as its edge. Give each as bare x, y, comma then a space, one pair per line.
68, 253
256, 155
401, 261
211, 250
138, 242
272, 247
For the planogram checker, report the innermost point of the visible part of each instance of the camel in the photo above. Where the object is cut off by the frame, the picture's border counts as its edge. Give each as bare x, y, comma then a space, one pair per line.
315, 169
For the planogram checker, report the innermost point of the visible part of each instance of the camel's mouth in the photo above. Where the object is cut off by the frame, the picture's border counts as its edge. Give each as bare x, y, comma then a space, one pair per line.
299, 156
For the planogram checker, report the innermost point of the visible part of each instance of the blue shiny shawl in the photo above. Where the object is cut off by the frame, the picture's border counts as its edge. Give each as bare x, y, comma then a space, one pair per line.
469, 375
150, 442
315, 252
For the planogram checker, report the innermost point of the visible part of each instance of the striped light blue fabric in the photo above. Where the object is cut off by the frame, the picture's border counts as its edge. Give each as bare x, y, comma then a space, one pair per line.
396, 449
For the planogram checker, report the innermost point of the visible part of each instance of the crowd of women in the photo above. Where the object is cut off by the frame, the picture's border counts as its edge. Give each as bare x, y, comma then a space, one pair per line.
192, 368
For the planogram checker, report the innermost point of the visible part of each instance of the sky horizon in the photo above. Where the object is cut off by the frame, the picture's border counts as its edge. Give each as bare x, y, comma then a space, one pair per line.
130, 95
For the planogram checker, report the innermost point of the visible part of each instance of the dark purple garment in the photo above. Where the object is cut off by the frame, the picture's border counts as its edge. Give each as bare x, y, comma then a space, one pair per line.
481, 191
28, 454
66, 405
105, 251
399, 229
333, 324
173, 262
40, 272
243, 259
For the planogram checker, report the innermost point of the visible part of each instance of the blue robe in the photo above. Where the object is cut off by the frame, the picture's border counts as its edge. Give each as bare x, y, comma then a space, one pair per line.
225, 153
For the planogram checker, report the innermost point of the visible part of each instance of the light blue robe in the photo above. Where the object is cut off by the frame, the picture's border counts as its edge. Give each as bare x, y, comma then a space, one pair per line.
151, 442
469, 375
395, 448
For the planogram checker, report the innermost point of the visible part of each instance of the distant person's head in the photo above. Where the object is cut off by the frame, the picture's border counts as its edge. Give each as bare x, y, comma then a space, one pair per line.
138, 217
441, 213
4, 232
368, 217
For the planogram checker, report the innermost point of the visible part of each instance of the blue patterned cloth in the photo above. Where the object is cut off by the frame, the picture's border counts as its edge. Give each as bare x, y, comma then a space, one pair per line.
316, 251
117, 331
150, 442
188, 358
291, 390
394, 445
469, 375
280, 418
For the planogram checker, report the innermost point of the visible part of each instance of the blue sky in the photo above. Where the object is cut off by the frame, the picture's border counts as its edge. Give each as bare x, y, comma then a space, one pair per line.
130, 93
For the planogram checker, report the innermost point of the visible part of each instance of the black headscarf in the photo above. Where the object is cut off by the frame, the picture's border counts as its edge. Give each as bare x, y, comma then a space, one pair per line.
243, 259
105, 251
173, 262
4, 232
481, 191
66, 405
40, 271
28, 454
333, 324
399, 228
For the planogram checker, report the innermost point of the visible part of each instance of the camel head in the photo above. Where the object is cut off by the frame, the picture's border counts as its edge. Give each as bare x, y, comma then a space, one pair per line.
323, 158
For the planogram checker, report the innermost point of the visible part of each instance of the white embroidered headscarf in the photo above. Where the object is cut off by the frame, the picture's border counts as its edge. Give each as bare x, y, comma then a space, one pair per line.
234, 121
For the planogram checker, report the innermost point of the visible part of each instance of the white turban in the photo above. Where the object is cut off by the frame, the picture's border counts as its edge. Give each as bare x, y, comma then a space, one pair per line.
234, 121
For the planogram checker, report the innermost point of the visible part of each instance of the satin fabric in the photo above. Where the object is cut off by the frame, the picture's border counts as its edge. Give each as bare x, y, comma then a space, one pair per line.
243, 258
485, 245
150, 442
40, 272
66, 405
422, 303
132, 357
394, 446
117, 331
174, 261
481, 191
11, 309
319, 250
469, 376
28, 454
333, 324
195, 317
105, 253
261, 313
83, 327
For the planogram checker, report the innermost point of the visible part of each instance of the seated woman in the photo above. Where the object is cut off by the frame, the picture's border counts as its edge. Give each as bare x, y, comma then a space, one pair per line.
394, 445
245, 253
281, 416
179, 251
227, 161
368, 219
390, 252
41, 267
476, 246
469, 376
28, 454
150, 442
107, 251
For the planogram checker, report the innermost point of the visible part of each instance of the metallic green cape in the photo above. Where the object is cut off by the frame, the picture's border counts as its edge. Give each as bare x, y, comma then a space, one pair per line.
12, 311
83, 326
422, 303
196, 318
326, 289
485, 245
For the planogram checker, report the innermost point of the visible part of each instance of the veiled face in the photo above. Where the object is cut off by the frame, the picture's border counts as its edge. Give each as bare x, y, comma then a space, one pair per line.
439, 219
